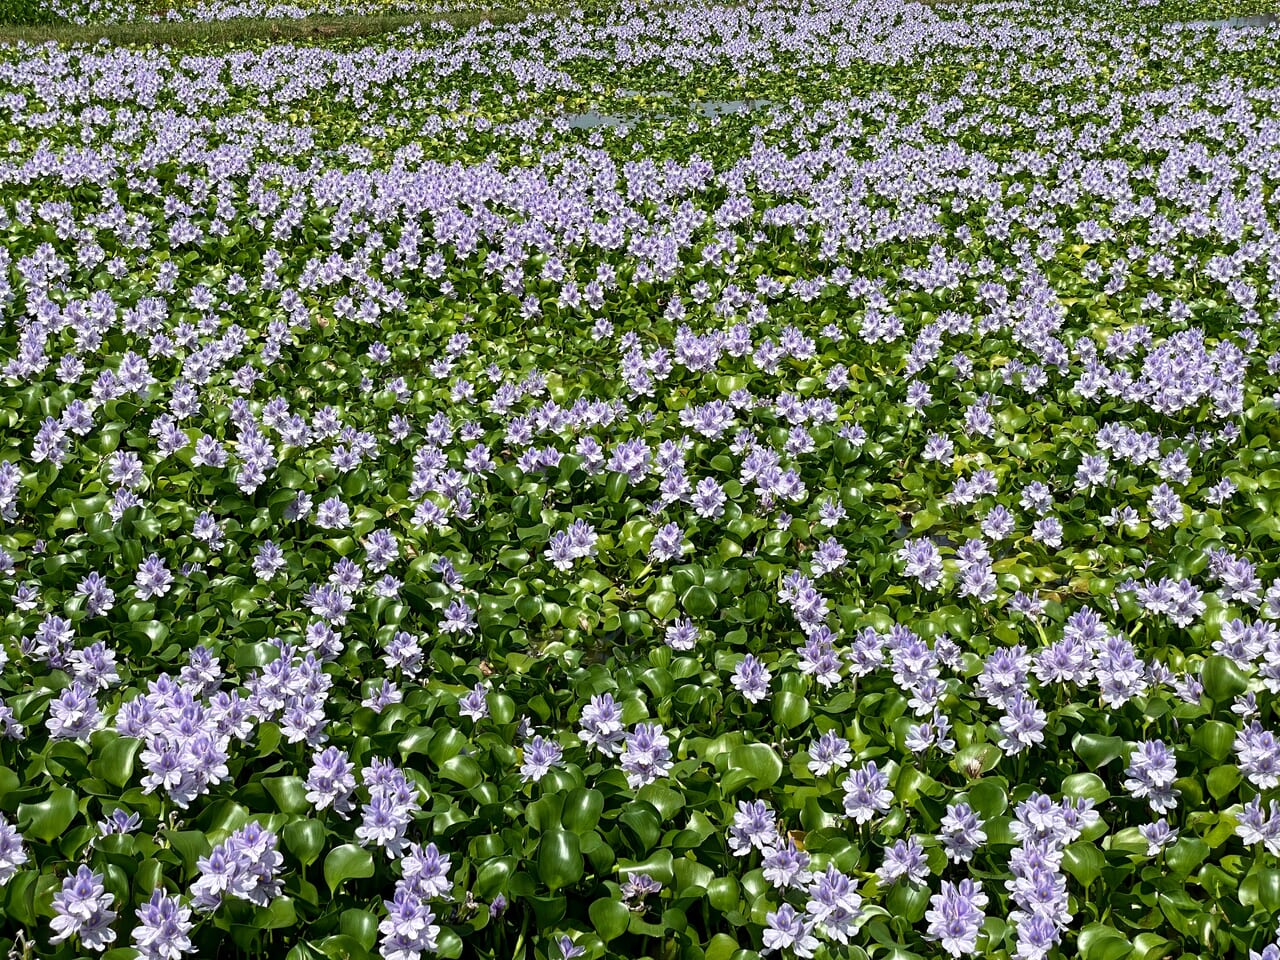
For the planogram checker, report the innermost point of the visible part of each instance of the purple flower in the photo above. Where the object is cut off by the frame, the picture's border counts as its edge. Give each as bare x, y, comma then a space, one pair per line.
120, 821
408, 930
787, 866
682, 634
1158, 835
13, 854
1165, 506
751, 679
83, 907
866, 793
1151, 773
74, 713
754, 828
569, 950
575, 543
708, 499
923, 561
787, 929
645, 755
393, 801
637, 888
163, 928
474, 704
331, 781
99, 598
904, 859
829, 752
601, 725
540, 755
459, 618
834, 906
956, 916
962, 833
245, 866
828, 557
1254, 824
268, 560
425, 870
1023, 724
1258, 754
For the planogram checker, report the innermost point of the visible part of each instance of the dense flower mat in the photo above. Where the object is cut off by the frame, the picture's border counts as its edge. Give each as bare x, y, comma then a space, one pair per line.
128, 11
680, 484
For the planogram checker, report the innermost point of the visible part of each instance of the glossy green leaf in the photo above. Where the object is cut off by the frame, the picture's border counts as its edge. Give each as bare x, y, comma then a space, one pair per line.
609, 918
560, 861
347, 862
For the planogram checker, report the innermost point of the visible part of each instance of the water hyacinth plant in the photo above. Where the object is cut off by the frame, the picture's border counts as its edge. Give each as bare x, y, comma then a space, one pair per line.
686, 481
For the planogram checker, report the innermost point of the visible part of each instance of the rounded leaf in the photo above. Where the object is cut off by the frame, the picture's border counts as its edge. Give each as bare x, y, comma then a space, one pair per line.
610, 918
347, 862
560, 858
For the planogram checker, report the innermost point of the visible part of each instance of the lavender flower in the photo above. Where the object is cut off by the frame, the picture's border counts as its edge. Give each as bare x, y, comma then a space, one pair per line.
751, 679
602, 725
905, 859
83, 908
1158, 835
162, 929
829, 752
786, 929
540, 755
956, 915
645, 755
1151, 773
13, 853
962, 834
245, 866
754, 828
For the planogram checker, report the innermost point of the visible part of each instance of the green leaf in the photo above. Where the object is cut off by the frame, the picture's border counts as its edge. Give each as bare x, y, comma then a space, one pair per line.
721, 947
976, 759
1185, 855
759, 762
790, 709
463, 771
347, 862
114, 762
304, 839
581, 810
49, 818
1223, 780
289, 793
492, 877
560, 858
360, 925
1096, 750
660, 865
610, 918
1097, 941
1086, 785
1269, 889
724, 894
1084, 861
1214, 738
988, 798
191, 845
908, 900
699, 602
1222, 679
279, 915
